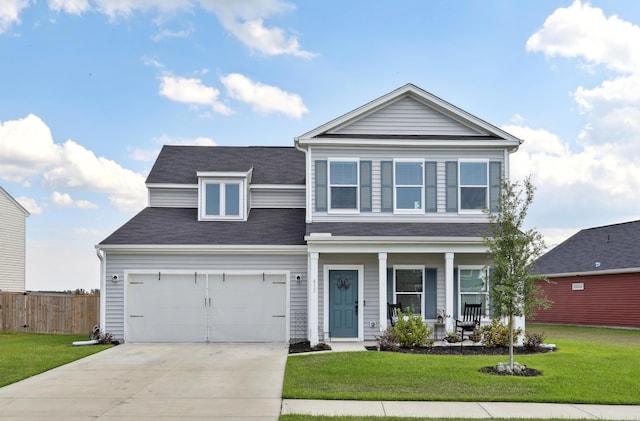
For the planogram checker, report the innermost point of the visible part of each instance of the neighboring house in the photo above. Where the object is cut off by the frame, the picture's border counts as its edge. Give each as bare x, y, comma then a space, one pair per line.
13, 225
595, 278
385, 204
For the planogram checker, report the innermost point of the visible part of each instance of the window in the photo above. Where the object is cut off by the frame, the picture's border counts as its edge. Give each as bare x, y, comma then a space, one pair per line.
409, 182
343, 185
221, 199
473, 185
409, 288
474, 287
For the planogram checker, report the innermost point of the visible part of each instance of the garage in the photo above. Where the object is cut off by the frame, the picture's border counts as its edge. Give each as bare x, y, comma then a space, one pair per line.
205, 307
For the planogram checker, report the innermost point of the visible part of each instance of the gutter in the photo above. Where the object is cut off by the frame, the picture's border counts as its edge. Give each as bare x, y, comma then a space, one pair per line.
103, 289
592, 272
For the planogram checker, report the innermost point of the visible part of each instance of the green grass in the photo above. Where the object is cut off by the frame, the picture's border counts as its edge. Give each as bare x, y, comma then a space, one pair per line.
591, 365
23, 355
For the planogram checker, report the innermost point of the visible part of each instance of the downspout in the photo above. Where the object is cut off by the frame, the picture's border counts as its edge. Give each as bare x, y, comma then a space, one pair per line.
103, 290
307, 181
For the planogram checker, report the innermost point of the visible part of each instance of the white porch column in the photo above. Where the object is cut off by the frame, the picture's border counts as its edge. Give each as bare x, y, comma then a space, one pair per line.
448, 273
312, 299
382, 288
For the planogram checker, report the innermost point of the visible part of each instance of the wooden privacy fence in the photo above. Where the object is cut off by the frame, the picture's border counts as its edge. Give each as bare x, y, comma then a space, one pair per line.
36, 312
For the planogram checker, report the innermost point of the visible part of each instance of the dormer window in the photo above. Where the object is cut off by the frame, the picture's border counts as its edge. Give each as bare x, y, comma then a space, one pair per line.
222, 196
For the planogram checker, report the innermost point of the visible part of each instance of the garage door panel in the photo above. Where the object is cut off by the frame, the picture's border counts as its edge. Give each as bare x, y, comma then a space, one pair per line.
248, 308
169, 309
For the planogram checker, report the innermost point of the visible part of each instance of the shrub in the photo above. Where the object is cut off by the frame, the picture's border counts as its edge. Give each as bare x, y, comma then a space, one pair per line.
533, 340
496, 334
411, 330
388, 341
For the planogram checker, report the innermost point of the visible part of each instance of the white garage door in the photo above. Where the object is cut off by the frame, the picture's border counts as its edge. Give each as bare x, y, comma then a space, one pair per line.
200, 308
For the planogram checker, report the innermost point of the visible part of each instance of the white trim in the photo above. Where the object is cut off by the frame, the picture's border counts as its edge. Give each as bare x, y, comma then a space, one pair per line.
171, 186
207, 273
487, 187
325, 293
343, 211
396, 210
224, 174
222, 183
204, 249
593, 272
410, 267
412, 143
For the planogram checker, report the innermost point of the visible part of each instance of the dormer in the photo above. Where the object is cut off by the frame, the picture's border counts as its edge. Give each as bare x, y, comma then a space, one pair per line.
223, 195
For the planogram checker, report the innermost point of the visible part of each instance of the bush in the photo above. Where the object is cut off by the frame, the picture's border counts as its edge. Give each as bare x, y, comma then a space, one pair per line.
388, 341
496, 334
411, 330
533, 340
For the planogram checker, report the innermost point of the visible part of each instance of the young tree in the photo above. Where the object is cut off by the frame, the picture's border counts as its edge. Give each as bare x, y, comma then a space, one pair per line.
513, 251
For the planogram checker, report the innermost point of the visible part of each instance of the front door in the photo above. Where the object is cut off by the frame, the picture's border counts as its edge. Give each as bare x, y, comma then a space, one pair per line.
343, 303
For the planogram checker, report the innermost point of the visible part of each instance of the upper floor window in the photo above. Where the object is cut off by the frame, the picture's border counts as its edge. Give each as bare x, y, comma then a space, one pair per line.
474, 186
343, 185
222, 198
409, 184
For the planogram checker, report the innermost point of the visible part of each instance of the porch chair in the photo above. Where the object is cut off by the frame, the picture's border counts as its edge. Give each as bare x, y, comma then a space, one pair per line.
392, 312
470, 320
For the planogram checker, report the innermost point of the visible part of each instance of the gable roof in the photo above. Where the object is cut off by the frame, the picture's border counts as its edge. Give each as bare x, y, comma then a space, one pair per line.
608, 248
14, 201
180, 226
410, 113
271, 165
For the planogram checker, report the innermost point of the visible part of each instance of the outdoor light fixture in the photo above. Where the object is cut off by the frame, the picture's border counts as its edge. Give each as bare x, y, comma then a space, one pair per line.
114, 279
298, 278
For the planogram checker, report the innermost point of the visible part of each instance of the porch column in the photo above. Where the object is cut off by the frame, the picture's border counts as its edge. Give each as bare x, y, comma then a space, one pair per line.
312, 299
382, 288
448, 273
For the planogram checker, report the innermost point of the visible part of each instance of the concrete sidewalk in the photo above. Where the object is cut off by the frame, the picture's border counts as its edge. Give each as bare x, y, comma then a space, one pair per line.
508, 410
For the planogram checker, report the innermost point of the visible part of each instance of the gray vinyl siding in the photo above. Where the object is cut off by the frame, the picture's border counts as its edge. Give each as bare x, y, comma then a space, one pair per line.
118, 263
407, 117
259, 198
12, 246
376, 156
173, 198
278, 198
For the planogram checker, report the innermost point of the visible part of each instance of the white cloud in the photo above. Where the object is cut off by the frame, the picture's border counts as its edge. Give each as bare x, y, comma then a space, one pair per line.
263, 98
30, 205
72, 7
28, 151
64, 200
245, 21
10, 13
192, 91
124, 8
583, 31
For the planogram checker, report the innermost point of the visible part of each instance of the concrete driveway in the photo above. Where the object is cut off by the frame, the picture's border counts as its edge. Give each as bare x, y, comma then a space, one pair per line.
151, 381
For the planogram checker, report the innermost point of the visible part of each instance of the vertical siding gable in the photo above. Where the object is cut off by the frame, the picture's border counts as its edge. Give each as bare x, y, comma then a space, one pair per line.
406, 116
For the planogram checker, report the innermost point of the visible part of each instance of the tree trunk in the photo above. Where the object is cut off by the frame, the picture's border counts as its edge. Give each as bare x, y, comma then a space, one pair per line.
511, 342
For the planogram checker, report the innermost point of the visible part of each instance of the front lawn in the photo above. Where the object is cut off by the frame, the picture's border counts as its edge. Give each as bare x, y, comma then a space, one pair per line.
24, 355
591, 366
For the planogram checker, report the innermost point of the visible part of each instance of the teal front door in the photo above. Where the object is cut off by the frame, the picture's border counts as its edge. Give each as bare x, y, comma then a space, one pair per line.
343, 303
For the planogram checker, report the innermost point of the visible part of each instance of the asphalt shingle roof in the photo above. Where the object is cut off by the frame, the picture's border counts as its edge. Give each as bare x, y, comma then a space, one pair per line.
180, 226
271, 165
400, 229
608, 247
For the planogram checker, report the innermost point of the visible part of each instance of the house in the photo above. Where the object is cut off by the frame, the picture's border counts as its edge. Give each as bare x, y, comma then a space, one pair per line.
385, 204
13, 225
595, 278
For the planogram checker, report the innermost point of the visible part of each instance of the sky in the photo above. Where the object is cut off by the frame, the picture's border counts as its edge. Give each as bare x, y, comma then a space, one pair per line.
90, 90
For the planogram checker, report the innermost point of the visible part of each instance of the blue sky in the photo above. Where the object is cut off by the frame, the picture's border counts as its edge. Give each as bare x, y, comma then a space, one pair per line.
91, 89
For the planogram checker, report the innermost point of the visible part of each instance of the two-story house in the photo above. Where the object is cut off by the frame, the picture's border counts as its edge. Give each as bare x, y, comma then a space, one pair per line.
385, 204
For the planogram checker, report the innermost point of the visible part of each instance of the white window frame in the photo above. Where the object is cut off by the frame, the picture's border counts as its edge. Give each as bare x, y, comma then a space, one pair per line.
485, 276
222, 181
460, 186
421, 293
413, 211
330, 186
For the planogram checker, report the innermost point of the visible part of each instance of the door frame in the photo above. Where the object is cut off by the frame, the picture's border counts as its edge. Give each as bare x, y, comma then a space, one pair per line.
207, 273
325, 310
